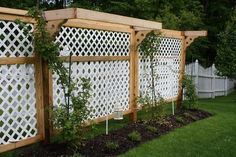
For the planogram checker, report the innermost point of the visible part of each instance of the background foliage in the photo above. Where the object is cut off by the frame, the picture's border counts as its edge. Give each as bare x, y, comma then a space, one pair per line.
179, 14
226, 49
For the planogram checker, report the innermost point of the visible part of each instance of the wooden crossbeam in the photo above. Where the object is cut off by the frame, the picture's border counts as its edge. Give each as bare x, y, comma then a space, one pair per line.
13, 11
78, 13
195, 33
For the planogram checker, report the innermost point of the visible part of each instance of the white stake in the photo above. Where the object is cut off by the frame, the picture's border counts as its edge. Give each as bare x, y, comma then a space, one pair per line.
107, 121
173, 105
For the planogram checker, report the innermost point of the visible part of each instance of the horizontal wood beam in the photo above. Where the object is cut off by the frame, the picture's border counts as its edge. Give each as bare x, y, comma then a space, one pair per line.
195, 33
11, 146
17, 60
13, 11
101, 119
171, 33
78, 13
112, 18
81, 23
142, 28
11, 17
95, 58
166, 100
60, 14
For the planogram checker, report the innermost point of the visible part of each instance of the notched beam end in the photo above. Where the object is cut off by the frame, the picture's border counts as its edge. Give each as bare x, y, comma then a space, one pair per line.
196, 33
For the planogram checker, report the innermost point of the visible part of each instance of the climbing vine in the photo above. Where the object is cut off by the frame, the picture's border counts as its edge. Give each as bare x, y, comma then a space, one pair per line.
69, 116
152, 102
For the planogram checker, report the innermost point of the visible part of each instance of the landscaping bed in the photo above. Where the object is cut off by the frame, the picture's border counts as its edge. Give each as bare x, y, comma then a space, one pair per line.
123, 139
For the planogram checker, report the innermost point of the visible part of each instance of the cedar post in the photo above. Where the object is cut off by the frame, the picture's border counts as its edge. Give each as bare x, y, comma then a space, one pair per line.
46, 100
39, 95
53, 28
133, 77
181, 73
188, 38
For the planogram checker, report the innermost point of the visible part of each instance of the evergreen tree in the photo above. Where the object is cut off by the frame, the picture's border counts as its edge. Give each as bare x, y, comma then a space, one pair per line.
226, 49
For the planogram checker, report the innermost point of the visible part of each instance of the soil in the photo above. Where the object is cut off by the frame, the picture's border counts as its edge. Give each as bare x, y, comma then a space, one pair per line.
96, 147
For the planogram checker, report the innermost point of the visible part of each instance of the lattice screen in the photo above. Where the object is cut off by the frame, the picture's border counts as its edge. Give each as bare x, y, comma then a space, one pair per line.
110, 79
167, 69
14, 41
17, 85
90, 42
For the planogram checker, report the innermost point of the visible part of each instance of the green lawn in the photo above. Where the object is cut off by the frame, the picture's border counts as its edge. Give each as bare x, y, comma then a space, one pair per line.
212, 137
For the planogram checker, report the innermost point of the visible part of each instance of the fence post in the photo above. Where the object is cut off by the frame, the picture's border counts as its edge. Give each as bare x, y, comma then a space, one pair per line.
39, 96
133, 77
226, 86
47, 100
52, 27
213, 81
196, 76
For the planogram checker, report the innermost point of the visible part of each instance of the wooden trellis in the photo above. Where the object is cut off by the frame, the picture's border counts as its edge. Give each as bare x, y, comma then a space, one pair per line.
104, 48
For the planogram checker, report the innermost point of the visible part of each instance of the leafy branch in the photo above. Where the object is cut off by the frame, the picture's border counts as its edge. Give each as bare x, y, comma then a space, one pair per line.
149, 49
67, 117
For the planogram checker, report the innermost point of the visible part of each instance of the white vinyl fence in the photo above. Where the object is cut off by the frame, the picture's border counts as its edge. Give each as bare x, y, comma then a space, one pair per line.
208, 84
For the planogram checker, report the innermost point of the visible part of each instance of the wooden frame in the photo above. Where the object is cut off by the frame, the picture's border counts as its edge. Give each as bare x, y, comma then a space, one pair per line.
81, 23
82, 18
21, 143
95, 58
78, 13
36, 61
17, 60
9, 14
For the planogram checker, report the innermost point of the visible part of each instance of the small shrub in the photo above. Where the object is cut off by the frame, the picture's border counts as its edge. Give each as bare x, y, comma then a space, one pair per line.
152, 129
190, 116
179, 119
134, 136
190, 92
154, 108
111, 145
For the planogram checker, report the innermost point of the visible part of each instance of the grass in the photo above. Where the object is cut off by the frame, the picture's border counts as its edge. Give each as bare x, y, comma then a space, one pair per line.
212, 137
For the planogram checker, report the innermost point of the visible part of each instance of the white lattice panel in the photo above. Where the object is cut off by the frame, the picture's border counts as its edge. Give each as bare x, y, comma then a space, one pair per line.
17, 102
167, 69
110, 86
52, 2
89, 42
14, 41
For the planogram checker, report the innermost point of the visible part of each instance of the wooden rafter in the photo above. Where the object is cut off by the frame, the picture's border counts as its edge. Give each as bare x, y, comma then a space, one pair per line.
13, 11
190, 36
78, 13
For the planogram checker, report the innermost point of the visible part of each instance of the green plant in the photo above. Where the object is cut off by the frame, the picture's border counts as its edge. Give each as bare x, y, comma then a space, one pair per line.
226, 49
189, 92
134, 136
70, 124
156, 111
179, 119
190, 116
68, 116
111, 145
152, 129
152, 101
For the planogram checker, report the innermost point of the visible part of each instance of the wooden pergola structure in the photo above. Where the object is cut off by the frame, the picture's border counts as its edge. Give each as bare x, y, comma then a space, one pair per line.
82, 18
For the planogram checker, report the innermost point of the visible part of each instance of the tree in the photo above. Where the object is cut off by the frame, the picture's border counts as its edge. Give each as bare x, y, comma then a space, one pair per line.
226, 49
18, 4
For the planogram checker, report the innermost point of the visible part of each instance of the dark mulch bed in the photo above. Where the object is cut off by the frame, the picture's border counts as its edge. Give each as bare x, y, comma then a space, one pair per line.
96, 147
